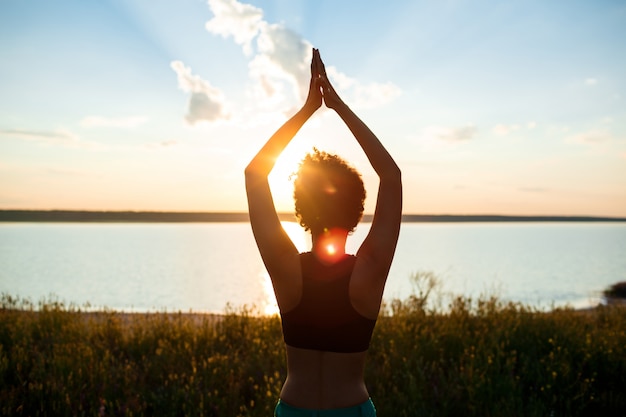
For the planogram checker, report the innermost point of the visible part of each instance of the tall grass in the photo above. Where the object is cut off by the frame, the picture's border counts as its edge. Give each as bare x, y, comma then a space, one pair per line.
475, 358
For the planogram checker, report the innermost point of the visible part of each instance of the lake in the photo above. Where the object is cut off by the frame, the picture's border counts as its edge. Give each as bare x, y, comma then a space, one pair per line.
202, 267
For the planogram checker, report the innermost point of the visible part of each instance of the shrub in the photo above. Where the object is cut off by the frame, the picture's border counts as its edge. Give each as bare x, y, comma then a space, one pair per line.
617, 290
476, 358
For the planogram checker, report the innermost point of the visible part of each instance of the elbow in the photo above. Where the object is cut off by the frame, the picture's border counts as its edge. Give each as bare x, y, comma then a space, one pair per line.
392, 174
258, 167
392, 181
253, 171
397, 172
248, 171
251, 176
254, 175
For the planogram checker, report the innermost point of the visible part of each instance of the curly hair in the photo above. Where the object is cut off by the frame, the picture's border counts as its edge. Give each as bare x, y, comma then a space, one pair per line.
328, 193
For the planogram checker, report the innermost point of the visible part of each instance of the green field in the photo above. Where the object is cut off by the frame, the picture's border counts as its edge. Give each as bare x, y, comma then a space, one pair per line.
473, 358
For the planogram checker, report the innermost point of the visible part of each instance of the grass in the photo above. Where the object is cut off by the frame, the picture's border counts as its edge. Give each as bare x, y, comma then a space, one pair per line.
475, 358
617, 290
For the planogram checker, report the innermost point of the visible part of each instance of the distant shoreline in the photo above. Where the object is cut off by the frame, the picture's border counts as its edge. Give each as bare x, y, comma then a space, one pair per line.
60, 216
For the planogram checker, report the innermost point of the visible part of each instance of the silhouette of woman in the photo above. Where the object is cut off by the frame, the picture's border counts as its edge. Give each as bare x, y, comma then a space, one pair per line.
328, 300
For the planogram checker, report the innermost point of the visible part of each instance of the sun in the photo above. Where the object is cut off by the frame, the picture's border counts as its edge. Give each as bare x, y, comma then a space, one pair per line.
281, 178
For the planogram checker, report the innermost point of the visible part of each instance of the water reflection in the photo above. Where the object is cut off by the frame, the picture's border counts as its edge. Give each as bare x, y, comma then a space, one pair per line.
271, 306
203, 267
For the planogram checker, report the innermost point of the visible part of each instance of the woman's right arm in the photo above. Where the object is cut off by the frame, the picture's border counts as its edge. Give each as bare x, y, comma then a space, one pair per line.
380, 243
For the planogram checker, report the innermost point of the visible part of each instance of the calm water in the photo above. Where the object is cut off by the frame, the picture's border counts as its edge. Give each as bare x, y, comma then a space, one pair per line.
204, 266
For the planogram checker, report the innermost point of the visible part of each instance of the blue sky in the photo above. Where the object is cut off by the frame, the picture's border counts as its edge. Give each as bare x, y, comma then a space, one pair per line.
512, 107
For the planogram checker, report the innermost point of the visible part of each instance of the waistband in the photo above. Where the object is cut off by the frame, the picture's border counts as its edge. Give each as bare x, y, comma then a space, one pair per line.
365, 409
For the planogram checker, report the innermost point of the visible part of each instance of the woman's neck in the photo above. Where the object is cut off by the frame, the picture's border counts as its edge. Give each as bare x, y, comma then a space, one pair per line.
329, 246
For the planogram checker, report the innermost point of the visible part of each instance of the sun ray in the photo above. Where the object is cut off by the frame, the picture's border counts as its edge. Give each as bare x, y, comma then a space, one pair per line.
281, 178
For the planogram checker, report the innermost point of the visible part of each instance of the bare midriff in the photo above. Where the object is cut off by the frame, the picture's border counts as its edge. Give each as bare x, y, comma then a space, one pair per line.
324, 380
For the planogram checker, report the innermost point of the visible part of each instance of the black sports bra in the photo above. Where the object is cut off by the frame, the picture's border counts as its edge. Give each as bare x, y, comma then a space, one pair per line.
325, 318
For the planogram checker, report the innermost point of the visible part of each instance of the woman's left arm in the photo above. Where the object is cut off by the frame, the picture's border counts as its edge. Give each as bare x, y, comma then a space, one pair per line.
269, 234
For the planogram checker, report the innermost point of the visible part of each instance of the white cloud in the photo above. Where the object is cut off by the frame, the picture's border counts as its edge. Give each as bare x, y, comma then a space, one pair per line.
239, 20
279, 68
534, 189
65, 172
206, 103
56, 137
591, 81
591, 137
119, 122
168, 143
66, 139
287, 51
362, 95
59, 137
448, 134
503, 130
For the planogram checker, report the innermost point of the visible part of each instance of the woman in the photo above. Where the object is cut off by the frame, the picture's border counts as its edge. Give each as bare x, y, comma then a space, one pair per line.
328, 300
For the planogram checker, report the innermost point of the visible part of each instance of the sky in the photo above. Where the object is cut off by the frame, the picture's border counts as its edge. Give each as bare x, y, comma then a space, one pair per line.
510, 107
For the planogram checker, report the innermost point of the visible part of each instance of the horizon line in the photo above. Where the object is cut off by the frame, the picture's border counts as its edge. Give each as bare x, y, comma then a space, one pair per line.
60, 215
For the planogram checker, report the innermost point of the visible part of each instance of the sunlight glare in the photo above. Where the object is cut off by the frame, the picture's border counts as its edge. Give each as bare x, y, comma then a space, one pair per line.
298, 236
330, 248
280, 181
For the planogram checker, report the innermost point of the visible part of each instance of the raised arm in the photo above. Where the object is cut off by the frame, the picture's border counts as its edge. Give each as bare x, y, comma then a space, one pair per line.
273, 243
265, 159
379, 245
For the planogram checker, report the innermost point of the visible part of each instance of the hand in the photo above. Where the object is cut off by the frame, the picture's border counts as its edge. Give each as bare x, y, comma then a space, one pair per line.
331, 98
314, 98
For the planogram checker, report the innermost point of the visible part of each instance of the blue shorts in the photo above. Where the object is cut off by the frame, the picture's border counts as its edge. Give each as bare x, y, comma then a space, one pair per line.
365, 409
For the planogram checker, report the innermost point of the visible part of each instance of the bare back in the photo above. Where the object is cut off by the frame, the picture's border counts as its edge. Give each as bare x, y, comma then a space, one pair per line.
324, 380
